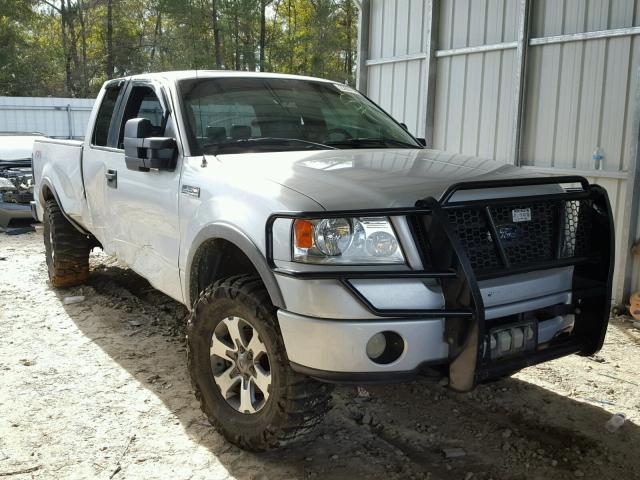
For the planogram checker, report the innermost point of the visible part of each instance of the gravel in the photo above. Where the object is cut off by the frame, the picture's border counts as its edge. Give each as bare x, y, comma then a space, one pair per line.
99, 389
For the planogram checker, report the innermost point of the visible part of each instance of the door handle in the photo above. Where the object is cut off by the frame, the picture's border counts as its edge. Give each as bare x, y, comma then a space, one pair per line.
112, 178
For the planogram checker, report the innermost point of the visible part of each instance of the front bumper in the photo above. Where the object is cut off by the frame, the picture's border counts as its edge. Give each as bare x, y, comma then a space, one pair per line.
12, 212
467, 318
336, 349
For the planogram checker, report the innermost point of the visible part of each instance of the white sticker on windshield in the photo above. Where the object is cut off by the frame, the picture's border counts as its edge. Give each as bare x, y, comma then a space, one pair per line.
345, 88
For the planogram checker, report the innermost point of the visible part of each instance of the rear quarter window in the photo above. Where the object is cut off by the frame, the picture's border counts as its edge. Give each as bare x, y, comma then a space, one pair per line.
103, 120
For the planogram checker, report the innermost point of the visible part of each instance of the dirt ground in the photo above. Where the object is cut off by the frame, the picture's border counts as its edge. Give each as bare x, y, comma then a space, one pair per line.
99, 389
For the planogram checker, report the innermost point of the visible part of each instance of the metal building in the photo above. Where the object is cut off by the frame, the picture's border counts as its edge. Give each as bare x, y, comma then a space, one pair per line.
539, 83
55, 117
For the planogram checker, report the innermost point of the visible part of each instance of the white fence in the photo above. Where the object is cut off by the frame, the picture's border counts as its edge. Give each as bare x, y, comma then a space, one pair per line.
54, 117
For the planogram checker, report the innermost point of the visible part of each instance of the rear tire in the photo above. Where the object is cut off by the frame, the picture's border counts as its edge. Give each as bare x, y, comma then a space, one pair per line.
67, 250
292, 403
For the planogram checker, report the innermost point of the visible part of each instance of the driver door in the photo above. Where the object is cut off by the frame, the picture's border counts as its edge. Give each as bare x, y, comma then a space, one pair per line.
143, 205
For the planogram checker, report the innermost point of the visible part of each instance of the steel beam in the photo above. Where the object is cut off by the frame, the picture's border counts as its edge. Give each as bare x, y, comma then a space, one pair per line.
476, 49
608, 174
574, 37
46, 107
520, 94
433, 19
577, 37
629, 229
70, 122
364, 25
399, 58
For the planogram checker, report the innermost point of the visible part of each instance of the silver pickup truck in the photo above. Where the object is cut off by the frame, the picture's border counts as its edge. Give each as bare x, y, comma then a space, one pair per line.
315, 241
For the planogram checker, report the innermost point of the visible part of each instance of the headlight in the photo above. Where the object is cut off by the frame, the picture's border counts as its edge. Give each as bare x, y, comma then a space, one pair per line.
333, 236
364, 241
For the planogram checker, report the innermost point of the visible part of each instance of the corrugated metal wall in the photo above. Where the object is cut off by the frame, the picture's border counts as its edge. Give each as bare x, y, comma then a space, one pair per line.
55, 117
540, 83
474, 92
581, 96
397, 34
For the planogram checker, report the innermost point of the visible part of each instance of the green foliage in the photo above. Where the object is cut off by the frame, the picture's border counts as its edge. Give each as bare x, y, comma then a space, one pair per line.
66, 47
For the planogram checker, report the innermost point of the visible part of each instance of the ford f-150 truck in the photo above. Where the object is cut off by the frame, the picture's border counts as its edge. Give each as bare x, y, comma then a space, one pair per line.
315, 241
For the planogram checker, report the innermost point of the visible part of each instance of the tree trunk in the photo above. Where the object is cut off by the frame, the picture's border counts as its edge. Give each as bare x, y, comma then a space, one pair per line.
237, 41
73, 49
156, 34
249, 55
216, 34
349, 49
110, 59
263, 32
291, 26
83, 32
65, 49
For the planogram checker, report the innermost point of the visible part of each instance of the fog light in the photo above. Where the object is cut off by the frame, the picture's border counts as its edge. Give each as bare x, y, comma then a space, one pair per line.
504, 340
518, 338
385, 347
511, 340
529, 333
376, 346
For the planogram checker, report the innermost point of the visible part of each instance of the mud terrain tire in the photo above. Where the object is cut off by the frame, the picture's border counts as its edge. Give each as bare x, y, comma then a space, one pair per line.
295, 403
67, 250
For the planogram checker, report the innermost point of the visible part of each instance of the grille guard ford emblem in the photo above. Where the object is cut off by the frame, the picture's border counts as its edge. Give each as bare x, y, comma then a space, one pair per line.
506, 233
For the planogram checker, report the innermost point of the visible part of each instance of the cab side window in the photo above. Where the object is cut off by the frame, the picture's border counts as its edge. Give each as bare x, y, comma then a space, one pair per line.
100, 135
143, 103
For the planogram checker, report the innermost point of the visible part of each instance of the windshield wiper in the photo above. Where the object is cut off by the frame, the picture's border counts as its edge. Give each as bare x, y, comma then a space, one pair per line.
363, 142
266, 142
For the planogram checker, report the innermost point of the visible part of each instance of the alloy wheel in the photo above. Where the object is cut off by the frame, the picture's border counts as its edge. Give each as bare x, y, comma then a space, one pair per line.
240, 365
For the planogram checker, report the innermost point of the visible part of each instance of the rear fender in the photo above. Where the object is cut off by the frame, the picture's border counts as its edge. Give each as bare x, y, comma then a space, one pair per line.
47, 191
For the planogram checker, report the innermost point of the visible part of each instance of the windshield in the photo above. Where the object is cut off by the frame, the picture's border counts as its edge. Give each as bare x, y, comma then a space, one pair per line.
236, 115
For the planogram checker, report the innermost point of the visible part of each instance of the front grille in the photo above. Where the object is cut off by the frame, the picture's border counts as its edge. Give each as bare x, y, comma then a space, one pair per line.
13, 197
528, 233
577, 229
23, 197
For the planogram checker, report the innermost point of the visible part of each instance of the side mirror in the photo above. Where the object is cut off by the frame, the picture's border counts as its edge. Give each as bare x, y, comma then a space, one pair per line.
143, 152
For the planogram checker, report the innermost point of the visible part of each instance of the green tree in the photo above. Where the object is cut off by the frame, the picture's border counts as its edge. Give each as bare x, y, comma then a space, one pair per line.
70, 47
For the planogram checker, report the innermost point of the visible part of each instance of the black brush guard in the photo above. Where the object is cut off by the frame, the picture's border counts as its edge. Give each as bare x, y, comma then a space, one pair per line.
447, 233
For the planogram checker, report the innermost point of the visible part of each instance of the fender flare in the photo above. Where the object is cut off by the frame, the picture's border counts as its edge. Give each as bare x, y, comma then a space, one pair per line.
246, 245
46, 183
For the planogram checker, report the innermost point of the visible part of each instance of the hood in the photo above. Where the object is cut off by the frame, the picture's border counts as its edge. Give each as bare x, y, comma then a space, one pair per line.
16, 147
359, 179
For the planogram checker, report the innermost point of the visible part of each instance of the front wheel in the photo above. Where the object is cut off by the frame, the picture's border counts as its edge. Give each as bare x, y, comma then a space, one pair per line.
240, 371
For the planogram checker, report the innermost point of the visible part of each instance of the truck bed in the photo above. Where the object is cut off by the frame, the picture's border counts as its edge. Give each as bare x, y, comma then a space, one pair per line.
58, 163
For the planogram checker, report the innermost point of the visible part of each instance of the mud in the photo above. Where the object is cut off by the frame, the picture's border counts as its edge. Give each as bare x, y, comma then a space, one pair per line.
99, 389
